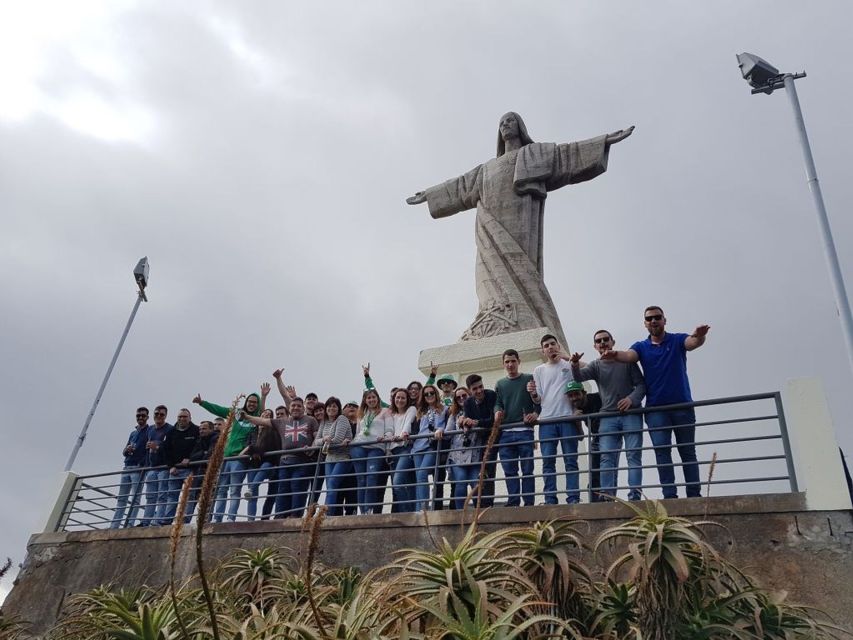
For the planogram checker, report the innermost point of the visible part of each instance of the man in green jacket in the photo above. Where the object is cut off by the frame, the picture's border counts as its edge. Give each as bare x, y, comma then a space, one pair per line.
234, 471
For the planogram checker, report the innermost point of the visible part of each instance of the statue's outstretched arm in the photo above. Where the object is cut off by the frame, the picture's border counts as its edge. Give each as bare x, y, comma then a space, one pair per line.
619, 136
418, 198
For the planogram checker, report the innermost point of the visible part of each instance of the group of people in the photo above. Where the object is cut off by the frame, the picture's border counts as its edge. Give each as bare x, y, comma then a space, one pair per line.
428, 433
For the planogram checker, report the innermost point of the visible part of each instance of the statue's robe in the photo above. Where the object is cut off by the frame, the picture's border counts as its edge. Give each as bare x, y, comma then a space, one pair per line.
509, 192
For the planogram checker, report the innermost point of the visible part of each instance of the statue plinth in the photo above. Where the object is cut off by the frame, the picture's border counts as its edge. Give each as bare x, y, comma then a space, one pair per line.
484, 356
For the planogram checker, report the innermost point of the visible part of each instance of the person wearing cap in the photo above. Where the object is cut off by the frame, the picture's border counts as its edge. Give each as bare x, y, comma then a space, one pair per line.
584, 403
663, 357
447, 383
622, 387
548, 389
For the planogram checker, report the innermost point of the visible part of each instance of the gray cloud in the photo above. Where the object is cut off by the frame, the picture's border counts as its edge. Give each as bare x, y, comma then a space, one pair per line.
269, 195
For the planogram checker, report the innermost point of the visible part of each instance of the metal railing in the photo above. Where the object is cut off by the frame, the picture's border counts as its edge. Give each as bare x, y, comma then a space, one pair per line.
741, 446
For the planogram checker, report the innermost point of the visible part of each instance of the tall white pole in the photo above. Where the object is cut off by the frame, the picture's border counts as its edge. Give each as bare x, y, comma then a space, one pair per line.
842, 304
140, 297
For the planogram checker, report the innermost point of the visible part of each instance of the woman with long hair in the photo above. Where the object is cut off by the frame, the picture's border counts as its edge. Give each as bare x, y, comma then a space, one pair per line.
466, 451
401, 417
261, 441
367, 451
333, 435
433, 416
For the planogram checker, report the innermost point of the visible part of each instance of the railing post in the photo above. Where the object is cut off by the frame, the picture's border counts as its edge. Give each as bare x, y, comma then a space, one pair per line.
58, 516
813, 438
786, 443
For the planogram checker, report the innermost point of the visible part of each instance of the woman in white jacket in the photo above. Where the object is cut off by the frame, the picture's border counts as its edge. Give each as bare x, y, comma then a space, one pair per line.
367, 451
400, 418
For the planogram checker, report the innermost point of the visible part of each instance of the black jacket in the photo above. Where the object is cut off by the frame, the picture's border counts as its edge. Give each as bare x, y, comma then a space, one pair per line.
178, 445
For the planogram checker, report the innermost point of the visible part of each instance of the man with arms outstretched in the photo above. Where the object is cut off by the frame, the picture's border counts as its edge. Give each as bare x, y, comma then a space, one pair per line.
663, 357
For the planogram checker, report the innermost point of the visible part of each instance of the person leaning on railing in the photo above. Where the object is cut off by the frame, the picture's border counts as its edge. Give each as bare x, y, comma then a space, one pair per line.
401, 419
514, 405
177, 447
368, 451
261, 442
294, 477
433, 416
234, 471
479, 410
622, 387
134, 457
466, 451
207, 437
334, 434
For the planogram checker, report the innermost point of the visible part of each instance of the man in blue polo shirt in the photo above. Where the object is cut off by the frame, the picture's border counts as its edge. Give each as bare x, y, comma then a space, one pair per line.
663, 357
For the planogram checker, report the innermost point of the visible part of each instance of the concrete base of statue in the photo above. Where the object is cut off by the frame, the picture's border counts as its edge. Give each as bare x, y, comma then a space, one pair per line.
485, 357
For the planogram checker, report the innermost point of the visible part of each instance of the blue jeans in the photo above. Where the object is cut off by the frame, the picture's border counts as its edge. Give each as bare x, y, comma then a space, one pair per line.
131, 486
367, 462
516, 449
336, 474
256, 478
175, 484
564, 434
464, 476
294, 480
610, 434
403, 480
156, 490
230, 482
424, 466
662, 426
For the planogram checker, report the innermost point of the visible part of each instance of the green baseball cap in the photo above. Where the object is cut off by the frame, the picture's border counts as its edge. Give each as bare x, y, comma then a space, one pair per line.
574, 386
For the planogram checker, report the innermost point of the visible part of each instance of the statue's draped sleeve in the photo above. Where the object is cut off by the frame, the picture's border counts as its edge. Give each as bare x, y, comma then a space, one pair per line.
545, 166
456, 194
578, 162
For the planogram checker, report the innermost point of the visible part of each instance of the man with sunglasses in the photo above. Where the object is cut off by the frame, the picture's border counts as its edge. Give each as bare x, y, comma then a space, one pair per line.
663, 357
622, 387
156, 480
134, 457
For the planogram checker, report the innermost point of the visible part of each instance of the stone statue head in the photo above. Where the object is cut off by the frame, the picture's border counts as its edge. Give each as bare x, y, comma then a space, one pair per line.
522, 133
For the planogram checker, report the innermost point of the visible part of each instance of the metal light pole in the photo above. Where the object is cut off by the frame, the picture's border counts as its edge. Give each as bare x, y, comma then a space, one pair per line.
140, 273
765, 78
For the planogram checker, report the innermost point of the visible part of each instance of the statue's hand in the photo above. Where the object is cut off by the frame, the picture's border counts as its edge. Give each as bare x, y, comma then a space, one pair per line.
418, 198
618, 136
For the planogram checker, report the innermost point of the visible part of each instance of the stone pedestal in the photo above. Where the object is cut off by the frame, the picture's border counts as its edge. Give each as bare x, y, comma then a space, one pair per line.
484, 356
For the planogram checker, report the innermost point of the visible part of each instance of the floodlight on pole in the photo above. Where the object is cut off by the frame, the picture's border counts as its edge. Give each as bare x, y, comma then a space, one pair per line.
765, 78
140, 274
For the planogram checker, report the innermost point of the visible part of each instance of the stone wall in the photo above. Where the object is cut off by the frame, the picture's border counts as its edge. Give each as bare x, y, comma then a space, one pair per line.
809, 554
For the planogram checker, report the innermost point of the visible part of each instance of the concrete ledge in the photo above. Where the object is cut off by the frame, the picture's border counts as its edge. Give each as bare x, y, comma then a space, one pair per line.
726, 505
771, 537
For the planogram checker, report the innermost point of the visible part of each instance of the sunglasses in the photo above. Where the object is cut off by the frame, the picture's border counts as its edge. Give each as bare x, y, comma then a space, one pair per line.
141, 415
427, 394
159, 413
657, 316
602, 340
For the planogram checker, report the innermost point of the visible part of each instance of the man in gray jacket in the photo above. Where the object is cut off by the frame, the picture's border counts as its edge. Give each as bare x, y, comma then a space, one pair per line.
622, 387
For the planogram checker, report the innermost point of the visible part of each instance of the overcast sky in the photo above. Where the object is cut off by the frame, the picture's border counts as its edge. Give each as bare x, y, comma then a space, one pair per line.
260, 153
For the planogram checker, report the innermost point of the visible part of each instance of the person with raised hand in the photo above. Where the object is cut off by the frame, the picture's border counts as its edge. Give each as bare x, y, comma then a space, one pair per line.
233, 471
261, 443
663, 357
368, 451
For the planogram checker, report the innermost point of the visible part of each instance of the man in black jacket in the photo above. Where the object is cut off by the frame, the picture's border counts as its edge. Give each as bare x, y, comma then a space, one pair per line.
585, 403
207, 438
177, 448
479, 411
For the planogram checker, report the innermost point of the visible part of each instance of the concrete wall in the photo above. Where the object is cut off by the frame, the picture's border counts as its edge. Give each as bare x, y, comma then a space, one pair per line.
805, 553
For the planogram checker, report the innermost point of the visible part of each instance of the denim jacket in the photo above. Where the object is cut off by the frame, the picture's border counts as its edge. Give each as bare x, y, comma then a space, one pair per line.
137, 439
431, 422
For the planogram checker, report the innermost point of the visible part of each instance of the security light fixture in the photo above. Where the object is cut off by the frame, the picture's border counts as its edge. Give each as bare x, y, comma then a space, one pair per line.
762, 76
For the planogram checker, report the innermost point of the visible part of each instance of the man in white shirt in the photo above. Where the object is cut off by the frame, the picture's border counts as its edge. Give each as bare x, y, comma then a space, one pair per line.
548, 389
